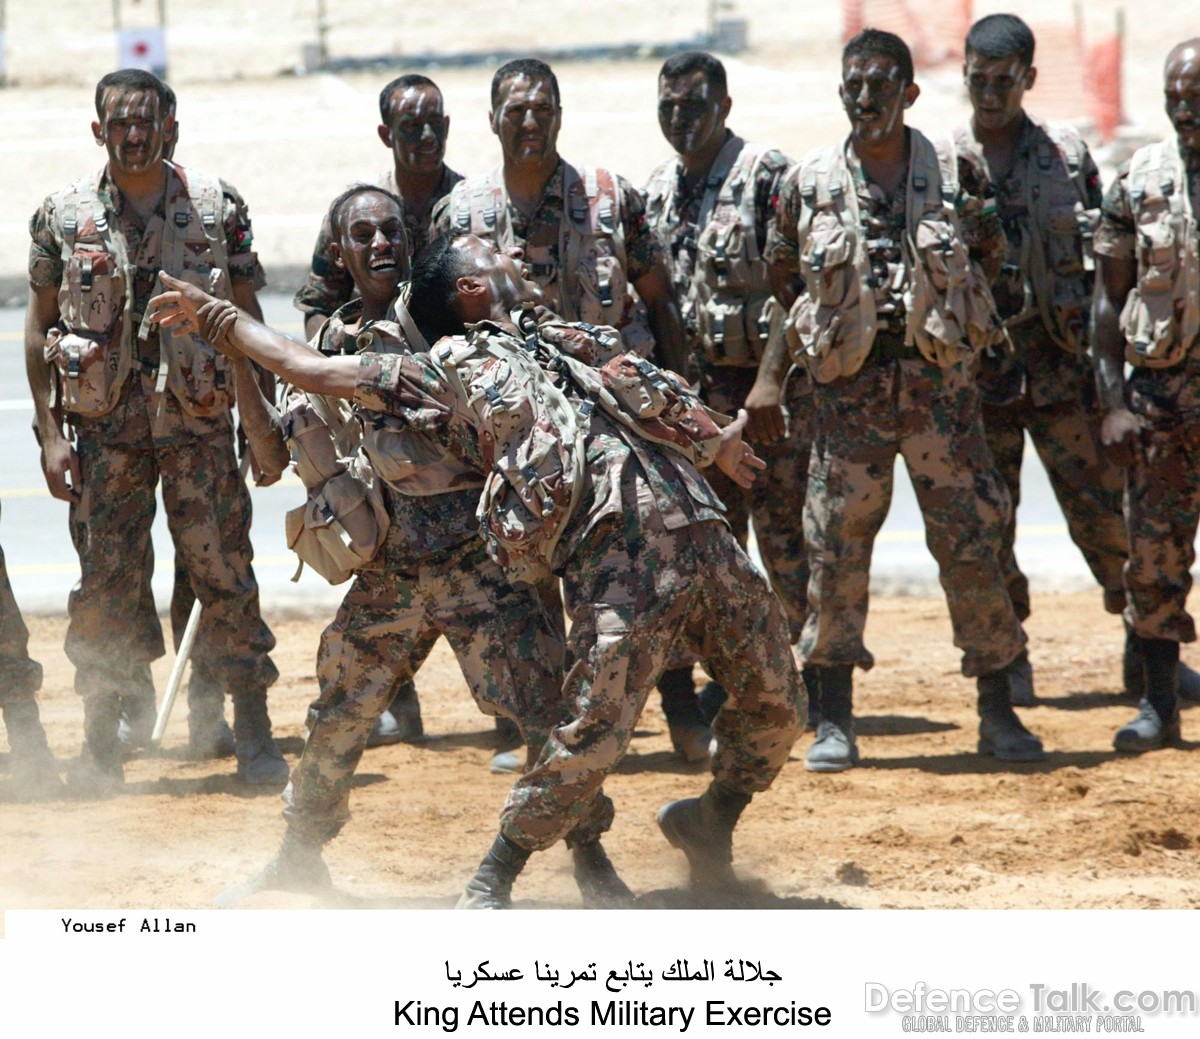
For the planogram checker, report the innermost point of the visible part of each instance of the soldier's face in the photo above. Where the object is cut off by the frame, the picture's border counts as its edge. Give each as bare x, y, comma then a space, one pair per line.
527, 120
690, 114
132, 129
373, 245
417, 128
1182, 90
996, 87
503, 269
874, 95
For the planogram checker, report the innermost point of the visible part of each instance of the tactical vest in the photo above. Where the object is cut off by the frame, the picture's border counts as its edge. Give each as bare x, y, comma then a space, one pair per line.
96, 300
1161, 316
1055, 263
586, 278
949, 308
727, 301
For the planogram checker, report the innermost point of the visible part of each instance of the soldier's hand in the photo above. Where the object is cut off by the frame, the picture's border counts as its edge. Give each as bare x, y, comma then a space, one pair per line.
767, 420
60, 464
1118, 432
735, 458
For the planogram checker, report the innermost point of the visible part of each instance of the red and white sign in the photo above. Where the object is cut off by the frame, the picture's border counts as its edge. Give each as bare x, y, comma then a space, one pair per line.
144, 48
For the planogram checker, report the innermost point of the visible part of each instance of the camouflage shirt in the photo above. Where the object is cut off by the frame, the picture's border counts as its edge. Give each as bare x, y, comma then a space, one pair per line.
885, 227
677, 224
133, 419
328, 286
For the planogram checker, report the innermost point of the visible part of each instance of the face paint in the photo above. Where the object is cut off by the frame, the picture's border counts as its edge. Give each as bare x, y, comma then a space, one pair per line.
527, 120
996, 88
373, 245
132, 129
418, 129
507, 276
1181, 88
689, 114
872, 94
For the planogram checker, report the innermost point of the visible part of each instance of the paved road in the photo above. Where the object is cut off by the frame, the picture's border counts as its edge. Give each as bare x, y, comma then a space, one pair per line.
43, 565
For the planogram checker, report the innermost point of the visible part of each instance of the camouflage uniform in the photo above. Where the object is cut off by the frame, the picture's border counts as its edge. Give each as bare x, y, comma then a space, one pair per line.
647, 562
1162, 483
20, 676
122, 456
542, 236
674, 212
432, 577
327, 286
1047, 390
900, 403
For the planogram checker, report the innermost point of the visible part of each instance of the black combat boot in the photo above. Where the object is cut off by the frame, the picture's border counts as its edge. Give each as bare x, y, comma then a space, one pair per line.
597, 878
813, 718
297, 867
491, 887
1020, 681
690, 734
259, 762
702, 828
139, 711
1157, 721
1001, 733
99, 771
835, 748
209, 734
34, 771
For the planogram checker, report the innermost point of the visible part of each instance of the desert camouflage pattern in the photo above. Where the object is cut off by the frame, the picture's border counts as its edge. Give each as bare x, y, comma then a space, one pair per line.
326, 286
20, 676
931, 418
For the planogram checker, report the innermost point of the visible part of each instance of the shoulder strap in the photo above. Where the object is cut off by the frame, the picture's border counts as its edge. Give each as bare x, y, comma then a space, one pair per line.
399, 308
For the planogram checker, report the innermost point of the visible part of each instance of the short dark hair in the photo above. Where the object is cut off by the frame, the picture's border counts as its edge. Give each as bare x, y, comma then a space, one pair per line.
434, 300
337, 208
876, 43
411, 79
696, 61
999, 36
135, 79
531, 68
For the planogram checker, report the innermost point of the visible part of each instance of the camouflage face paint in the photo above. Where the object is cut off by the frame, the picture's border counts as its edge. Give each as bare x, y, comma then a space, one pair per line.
996, 88
1181, 88
689, 113
872, 94
132, 130
418, 129
527, 120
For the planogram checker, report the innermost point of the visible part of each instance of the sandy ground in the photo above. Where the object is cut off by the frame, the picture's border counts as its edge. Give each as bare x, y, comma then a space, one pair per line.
925, 822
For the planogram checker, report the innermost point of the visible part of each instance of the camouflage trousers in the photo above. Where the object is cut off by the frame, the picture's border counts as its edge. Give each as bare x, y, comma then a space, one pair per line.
1066, 435
208, 513
509, 648
20, 676
633, 594
1162, 505
776, 501
931, 418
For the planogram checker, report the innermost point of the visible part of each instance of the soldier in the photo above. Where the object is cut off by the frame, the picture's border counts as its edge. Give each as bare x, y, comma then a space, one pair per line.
645, 557
882, 228
1048, 199
1147, 312
33, 769
581, 229
431, 577
711, 204
142, 406
414, 126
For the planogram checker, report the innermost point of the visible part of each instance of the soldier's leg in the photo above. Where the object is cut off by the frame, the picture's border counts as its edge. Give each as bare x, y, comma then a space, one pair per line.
964, 504
139, 702
115, 513
744, 630
849, 491
1162, 503
33, 769
208, 511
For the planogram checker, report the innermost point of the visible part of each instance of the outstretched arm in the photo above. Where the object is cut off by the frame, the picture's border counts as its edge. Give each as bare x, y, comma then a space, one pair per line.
232, 331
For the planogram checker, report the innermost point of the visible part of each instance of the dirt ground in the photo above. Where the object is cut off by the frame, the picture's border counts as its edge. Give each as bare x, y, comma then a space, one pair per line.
925, 822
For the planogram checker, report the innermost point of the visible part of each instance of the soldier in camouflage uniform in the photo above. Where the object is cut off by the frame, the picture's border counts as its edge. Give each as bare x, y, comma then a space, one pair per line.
30, 762
711, 204
414, 127
582, 230
893, 352
143, 407
1048, 199
1146, 313
431, 577
646, 562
